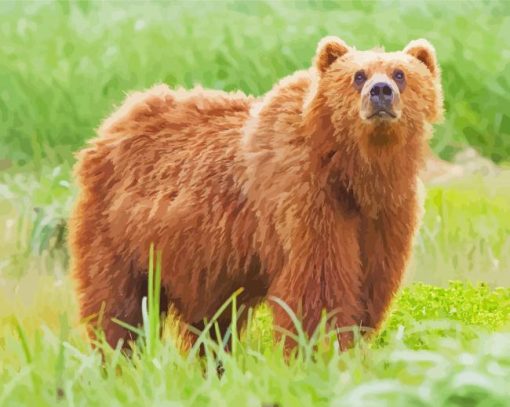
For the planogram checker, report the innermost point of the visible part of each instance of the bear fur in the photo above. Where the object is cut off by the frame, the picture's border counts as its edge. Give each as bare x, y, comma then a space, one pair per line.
297, 195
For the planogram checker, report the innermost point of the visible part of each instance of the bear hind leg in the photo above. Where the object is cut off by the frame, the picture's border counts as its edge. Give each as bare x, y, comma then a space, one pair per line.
117, 297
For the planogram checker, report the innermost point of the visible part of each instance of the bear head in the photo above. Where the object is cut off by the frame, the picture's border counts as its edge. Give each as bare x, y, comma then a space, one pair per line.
379, 100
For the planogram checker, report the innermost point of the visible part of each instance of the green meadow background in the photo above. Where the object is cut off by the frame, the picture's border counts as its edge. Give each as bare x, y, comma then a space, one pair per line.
64, 65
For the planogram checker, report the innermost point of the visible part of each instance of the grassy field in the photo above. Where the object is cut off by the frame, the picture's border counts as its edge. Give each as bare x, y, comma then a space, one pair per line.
63, 65
441, 347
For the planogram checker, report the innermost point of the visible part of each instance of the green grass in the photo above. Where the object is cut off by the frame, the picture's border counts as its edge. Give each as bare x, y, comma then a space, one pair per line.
421, 358
64, 64
465, 233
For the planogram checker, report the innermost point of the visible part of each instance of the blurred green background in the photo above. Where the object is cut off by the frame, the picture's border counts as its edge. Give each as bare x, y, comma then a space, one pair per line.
63, 64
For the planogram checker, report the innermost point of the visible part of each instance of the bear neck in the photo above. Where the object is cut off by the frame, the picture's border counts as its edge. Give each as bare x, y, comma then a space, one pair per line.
380, 179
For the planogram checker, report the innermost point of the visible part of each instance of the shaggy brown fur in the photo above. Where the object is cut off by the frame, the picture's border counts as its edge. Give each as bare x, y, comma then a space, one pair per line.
297, 195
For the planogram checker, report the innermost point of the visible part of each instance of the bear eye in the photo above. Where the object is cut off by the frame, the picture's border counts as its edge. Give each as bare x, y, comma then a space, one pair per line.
398, 75
360, 77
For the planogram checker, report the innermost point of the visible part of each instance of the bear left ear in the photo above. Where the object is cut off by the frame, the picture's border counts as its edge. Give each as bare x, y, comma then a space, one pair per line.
328, 51
425, 53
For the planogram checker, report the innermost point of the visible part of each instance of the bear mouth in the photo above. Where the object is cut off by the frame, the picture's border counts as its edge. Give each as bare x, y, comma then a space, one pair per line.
383, 114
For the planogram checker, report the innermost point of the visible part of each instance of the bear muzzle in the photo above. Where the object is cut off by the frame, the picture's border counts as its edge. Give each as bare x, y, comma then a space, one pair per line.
381, 97
380, 100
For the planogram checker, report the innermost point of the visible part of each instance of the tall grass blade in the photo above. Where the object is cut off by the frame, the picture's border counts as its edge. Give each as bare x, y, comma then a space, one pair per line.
200, 340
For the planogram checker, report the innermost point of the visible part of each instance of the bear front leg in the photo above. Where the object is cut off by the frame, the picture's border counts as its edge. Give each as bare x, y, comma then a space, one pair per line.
386, 244
322, 273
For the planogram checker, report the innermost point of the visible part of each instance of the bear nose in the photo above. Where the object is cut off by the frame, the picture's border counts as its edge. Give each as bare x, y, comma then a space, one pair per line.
381, 94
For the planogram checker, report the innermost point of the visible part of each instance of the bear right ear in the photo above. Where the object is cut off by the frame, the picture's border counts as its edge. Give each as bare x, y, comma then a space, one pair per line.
328, 51
424, 52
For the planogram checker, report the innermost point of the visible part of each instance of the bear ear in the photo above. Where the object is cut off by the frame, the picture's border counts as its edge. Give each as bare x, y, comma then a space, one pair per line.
328, 51
425, 53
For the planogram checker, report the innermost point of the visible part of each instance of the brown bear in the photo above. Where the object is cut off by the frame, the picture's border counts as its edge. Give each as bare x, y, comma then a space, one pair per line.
308, 194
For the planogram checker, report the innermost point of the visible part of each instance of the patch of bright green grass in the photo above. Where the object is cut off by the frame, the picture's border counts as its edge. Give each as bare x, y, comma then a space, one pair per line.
422, 308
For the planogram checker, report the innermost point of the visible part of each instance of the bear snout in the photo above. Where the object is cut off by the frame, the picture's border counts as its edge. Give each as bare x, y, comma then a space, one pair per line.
380, 100
381, 96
